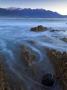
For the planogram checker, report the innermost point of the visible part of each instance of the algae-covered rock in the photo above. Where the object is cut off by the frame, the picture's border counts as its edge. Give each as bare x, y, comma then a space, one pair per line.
39, 28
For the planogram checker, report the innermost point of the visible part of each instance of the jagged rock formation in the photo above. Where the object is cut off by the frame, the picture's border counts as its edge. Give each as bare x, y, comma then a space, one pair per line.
59, 61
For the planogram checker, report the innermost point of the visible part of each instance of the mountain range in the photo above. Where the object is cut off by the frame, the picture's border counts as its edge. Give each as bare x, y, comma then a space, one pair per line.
29, 13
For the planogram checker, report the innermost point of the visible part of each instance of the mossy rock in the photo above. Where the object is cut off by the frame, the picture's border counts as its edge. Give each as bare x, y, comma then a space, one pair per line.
39, 28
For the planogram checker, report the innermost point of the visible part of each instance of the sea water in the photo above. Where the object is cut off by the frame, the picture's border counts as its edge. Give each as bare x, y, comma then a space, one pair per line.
17, 31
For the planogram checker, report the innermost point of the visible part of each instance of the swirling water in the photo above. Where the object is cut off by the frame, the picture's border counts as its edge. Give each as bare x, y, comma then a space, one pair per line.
16, 32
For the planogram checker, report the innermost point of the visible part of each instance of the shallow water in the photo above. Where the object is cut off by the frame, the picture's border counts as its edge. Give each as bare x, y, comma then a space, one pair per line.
16, 32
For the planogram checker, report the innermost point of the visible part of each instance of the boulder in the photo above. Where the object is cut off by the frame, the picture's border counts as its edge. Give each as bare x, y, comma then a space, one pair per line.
48, 80
39, 28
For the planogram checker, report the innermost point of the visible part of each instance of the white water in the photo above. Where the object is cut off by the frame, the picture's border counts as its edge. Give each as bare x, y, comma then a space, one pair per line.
16, 32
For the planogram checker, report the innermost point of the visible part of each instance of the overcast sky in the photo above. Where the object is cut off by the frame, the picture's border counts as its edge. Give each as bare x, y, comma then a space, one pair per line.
54, 5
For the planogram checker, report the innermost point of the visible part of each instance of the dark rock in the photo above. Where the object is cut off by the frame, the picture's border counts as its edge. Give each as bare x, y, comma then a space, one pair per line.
64, 39
32, 42
56, 30
39, 28
48, 80
53, 30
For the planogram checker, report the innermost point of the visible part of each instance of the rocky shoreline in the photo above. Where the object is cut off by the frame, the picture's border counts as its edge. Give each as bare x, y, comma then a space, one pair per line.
32, 71
59, 61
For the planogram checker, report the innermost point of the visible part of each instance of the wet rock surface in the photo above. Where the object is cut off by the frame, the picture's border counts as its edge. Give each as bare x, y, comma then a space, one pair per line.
39, 28
64, 39
55, 30
48, 80
59, 61
27, 55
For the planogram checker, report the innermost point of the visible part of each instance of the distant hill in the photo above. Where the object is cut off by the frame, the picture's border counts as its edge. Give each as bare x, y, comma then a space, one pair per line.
29, 13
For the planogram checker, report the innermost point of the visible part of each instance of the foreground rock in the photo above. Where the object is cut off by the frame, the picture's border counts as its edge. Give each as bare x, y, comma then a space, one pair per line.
48, 80
27, 55
4, 84
39, 28
59, 61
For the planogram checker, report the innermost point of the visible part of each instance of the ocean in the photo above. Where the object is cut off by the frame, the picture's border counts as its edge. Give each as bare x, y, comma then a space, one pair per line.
16, 32
19, 29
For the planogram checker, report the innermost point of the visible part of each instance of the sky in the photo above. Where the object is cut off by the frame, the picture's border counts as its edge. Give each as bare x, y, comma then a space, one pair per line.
59, 6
